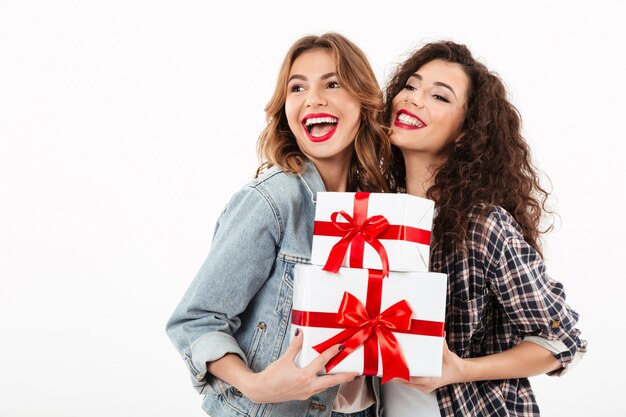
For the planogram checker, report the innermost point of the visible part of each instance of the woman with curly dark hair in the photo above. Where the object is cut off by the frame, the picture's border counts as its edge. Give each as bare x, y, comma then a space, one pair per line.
457, 141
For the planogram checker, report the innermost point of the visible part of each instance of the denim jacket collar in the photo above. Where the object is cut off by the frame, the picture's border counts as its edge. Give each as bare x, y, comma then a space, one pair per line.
312, 180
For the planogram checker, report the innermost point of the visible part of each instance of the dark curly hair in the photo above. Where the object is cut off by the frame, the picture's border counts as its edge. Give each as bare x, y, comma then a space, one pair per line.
491, 163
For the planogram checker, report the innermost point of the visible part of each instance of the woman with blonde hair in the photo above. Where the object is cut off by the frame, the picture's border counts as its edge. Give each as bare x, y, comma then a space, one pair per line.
324, 133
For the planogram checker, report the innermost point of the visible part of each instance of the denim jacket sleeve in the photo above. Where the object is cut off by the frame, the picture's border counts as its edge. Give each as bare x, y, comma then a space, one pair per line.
242, 255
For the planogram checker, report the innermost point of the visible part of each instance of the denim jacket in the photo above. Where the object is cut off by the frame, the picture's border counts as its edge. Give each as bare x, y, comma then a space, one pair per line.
240, 300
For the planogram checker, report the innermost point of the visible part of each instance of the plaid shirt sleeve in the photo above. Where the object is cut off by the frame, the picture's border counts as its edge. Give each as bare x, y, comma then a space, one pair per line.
533, 303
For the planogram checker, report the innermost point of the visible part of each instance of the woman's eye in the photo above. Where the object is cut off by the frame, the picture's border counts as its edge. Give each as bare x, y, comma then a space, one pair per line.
409, 87
296, 88
333, 84
441, 98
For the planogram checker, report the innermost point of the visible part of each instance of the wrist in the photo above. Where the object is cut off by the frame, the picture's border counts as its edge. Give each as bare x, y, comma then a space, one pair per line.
248, 386
468, 370
234, 371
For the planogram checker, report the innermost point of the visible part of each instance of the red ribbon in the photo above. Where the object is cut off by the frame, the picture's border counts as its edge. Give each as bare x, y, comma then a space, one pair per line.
360, 229
361, 328
367, 326
329, 320
356, 232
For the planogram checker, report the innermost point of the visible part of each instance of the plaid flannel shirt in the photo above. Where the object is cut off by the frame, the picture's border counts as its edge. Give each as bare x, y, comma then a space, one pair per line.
499, 293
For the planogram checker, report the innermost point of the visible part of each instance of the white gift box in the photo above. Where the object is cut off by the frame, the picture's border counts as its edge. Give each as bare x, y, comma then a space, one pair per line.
318, 291
409, 217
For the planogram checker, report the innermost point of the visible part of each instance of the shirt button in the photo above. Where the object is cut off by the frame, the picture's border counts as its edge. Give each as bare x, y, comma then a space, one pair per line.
436, 265
317, 406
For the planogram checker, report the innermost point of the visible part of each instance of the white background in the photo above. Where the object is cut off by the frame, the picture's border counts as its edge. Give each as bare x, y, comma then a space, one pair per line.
126, 125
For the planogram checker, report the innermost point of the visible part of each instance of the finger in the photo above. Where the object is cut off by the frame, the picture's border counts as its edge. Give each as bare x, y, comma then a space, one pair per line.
447, 354
295, 345
420, 387
400, 381
326, 381
425, 388
424, 383
318, 363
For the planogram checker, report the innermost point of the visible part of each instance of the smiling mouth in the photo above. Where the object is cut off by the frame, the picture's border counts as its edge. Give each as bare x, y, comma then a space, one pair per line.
406, 120
320, 127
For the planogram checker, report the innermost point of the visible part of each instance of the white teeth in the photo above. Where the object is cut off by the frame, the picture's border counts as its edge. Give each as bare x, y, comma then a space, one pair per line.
316, 120
409, 120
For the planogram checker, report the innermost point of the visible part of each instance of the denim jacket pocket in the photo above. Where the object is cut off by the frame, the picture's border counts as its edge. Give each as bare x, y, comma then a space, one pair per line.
234, 400
285, 291
464, 322
255, 344
217, 385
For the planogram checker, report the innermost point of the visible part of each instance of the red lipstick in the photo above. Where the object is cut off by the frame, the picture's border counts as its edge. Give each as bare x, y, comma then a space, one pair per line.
327, 135
402, 125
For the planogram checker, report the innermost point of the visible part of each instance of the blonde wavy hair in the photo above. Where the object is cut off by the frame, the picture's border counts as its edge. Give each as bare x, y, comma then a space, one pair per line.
277, 145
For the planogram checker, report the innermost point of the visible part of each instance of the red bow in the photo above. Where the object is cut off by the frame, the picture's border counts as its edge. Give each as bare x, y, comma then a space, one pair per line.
356, 231
363, 329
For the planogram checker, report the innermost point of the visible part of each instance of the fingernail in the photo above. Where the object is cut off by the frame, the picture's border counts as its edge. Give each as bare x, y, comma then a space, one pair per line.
297, 332
341, 348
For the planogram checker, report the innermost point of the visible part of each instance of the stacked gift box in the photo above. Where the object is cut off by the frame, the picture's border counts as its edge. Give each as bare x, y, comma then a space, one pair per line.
369, 287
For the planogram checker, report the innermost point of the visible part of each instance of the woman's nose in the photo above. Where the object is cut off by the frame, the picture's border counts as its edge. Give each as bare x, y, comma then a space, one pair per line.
316, 97
416, 98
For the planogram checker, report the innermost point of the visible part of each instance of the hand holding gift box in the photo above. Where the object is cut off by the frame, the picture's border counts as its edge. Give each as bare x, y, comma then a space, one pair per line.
364, 230
391, 324
391, 327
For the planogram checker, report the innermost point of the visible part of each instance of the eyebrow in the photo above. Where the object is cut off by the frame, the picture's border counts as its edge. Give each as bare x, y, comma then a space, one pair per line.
303, 78
439, 83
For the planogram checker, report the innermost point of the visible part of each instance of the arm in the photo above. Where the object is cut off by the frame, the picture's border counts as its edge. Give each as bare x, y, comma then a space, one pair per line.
206, 318
521, 361
535, 307
203, 326
281, 380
